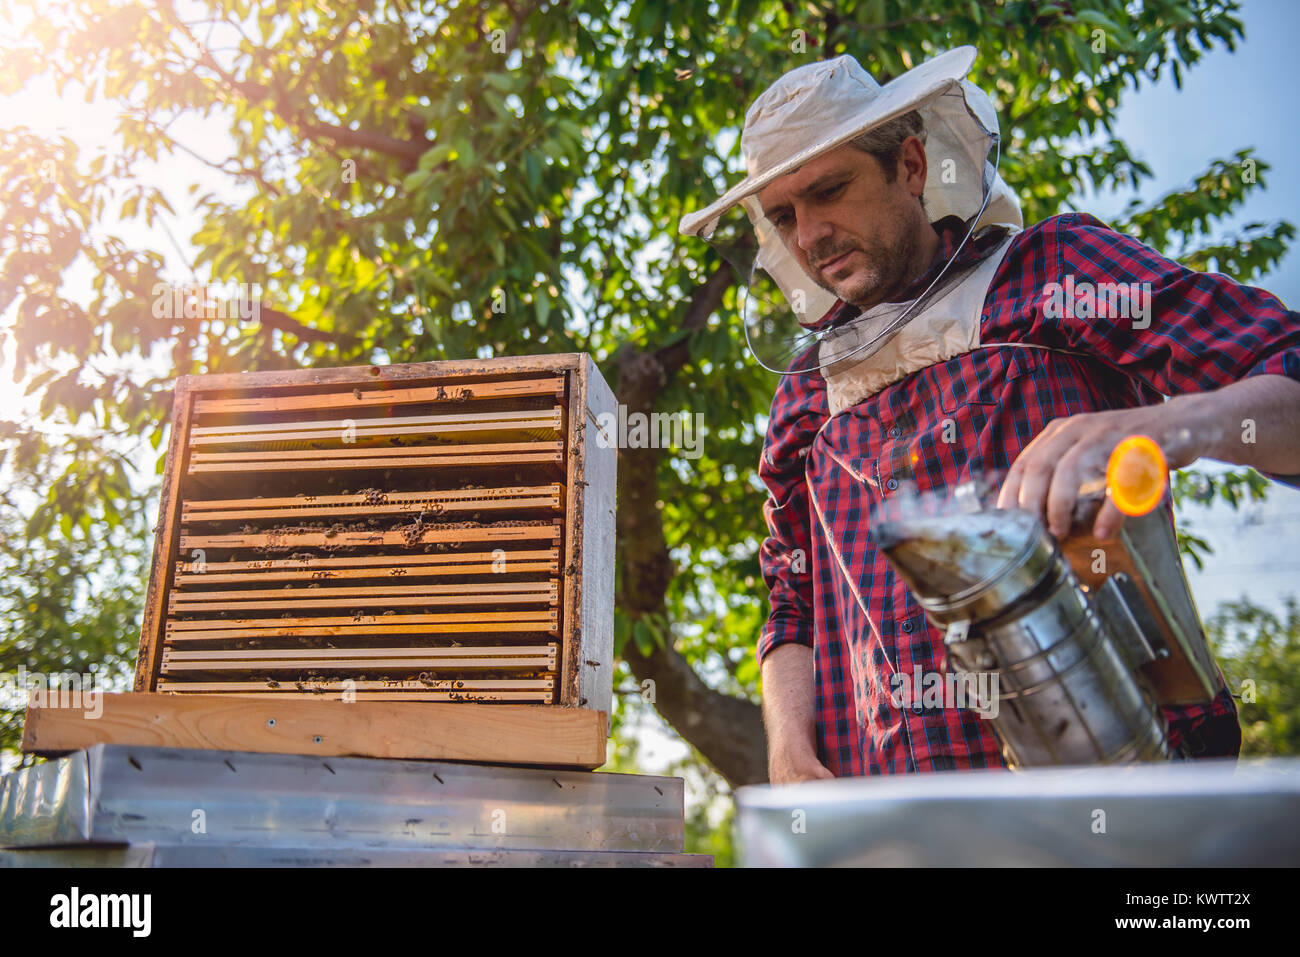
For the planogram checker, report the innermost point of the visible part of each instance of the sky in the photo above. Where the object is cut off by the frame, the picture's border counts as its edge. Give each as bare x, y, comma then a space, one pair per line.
1230, 101
1227, 102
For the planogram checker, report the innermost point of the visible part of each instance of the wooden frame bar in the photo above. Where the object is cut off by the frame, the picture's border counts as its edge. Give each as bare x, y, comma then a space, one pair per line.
553, 385
392, 596
408, 566
370, 459
429, 535
502, 657
355, 430
297, 723
539, 497
337, 686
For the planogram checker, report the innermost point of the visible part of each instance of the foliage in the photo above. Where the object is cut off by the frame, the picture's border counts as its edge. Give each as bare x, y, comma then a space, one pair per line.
1259, 652
1197, 486
73, 550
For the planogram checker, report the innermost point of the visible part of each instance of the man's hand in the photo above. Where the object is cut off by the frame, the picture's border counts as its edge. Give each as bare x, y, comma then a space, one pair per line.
788, 716
1070, 452
789, 762
1252, 422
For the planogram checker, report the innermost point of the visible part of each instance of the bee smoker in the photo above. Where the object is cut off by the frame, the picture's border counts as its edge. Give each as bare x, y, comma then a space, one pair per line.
1085, 641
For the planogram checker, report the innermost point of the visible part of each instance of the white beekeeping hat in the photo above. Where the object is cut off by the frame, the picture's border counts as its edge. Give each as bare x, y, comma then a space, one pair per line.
824, 105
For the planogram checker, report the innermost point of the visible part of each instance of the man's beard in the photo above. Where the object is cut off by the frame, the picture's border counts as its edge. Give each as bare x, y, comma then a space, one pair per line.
886, 272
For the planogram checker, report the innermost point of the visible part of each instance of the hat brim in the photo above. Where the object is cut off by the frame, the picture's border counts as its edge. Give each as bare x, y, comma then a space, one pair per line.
900, 95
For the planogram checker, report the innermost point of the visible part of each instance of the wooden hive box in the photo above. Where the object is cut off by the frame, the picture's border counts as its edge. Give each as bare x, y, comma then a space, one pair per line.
438, 531
431, 544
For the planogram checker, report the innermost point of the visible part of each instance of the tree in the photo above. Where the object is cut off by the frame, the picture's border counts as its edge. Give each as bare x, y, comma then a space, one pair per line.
1259, 652
394, 169
73, 556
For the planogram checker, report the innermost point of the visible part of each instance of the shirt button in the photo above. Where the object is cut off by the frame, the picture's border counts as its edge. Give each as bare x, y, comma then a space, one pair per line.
891, 484
907, 627
895, 432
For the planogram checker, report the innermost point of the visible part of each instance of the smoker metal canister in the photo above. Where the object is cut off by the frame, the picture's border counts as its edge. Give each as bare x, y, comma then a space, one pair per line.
1010, 604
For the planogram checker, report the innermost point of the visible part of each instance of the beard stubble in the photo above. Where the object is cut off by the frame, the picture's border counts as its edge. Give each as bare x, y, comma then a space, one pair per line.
889, 266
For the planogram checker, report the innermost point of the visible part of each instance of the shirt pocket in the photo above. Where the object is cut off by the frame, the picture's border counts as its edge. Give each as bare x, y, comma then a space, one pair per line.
997, 391
985, 382
970, 392
895, 466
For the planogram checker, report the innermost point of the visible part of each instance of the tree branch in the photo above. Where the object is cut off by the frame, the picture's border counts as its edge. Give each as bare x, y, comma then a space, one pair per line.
408, 151
275, 319
706, 300
246, 172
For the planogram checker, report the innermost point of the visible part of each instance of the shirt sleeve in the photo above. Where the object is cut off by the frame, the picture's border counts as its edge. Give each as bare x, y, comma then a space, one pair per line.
785, 559
1173, 328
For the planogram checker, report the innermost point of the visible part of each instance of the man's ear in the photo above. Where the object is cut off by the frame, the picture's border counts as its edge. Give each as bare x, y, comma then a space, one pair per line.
913, 163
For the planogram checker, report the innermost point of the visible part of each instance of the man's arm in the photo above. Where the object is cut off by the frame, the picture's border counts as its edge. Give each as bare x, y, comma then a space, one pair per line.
785, 645
788, 716
1228, 353
1254, 422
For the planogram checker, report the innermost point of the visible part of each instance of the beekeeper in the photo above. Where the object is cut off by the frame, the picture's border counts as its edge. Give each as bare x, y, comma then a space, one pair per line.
925, 336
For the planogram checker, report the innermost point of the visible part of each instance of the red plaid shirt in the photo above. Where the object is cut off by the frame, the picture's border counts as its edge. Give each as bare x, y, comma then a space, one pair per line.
1206, 331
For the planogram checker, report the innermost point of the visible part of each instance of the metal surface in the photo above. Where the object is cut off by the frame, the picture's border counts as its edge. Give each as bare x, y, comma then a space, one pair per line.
1153, 544
967, 566
177, 855
1193, 814
81, 856
115, 794
591, 541
1136, 633
48, 803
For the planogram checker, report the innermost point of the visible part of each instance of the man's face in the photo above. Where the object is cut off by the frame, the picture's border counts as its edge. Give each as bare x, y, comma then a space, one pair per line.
859, 236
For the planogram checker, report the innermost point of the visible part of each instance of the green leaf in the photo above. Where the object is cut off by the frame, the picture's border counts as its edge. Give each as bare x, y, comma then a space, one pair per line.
1101, 20
414, 181
644, 637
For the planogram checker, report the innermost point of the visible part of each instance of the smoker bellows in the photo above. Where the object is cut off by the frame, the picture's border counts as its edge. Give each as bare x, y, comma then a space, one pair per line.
436, 531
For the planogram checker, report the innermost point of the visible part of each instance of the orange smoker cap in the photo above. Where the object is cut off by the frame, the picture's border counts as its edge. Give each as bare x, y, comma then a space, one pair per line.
1137, 475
